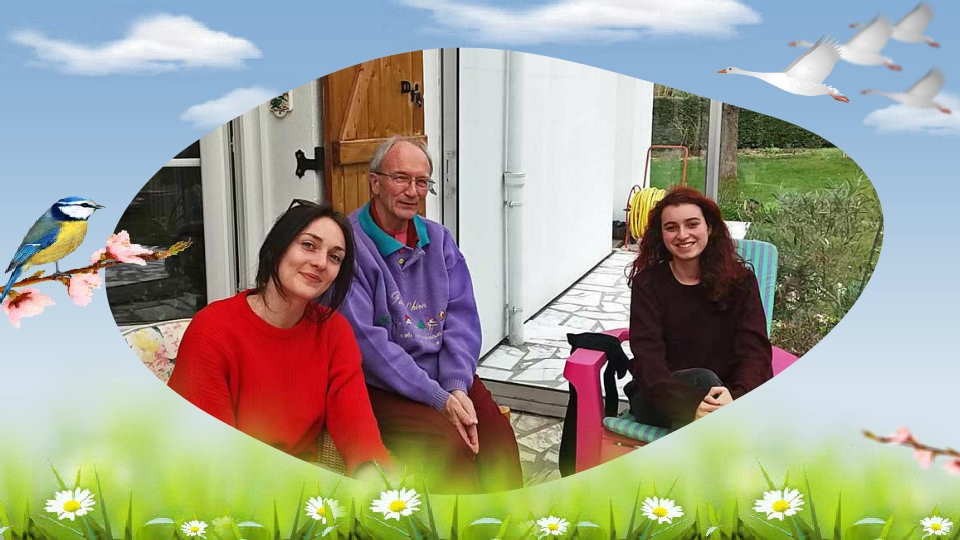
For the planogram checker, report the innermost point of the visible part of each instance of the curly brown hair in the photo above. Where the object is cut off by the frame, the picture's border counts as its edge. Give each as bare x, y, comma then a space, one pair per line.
721, 268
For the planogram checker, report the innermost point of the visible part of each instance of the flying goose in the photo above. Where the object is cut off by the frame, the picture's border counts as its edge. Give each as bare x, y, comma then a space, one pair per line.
865, 46
910, 28
921, 94
805, 75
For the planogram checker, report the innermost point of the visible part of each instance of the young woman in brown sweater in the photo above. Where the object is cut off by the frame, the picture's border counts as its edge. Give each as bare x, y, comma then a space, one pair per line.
697, 326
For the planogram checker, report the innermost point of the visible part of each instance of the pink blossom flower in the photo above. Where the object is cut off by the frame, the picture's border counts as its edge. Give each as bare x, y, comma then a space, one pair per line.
953, 466
25, 303
119, 248
81, 287
924, 457
902, 435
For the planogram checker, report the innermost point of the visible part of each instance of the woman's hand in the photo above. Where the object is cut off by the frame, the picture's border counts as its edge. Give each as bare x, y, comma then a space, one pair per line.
459, 410
717, 397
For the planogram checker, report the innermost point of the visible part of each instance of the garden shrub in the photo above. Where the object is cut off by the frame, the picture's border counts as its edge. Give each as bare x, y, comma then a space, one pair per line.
756, 130
683, 120
828, 240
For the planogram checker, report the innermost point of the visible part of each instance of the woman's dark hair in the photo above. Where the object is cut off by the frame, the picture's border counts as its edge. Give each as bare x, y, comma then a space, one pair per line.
721, 269
281, 236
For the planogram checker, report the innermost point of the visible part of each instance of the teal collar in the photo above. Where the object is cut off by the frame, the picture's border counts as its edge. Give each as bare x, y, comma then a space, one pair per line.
385, 243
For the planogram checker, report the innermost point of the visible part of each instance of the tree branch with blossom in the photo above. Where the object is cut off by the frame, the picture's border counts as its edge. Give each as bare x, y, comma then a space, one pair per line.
80, 282
64, 277
923, 453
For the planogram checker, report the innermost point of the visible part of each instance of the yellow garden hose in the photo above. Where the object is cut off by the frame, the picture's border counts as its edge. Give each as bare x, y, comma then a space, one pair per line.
641, 203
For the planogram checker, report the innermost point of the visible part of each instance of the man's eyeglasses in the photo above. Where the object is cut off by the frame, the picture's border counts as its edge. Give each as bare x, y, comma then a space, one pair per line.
423, 184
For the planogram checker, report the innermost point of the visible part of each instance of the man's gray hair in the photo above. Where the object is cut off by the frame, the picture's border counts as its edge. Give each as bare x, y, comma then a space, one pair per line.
376, 162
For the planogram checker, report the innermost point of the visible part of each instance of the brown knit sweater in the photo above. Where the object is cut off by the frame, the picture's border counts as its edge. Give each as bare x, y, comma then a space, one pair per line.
675, 326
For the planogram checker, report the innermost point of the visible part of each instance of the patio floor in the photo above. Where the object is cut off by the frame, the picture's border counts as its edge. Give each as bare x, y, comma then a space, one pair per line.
539, 440
599, 301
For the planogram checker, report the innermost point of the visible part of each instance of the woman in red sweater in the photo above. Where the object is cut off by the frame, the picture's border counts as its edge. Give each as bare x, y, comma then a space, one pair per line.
275, 364
697, 327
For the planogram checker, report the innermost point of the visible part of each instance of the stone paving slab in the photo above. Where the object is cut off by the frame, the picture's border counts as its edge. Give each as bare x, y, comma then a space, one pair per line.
538, 438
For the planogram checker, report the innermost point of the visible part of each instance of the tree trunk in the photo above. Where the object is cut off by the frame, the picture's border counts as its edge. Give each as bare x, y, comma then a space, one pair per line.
730, 117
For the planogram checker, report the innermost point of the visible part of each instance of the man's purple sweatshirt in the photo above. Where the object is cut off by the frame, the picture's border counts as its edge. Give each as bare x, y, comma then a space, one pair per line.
413, 311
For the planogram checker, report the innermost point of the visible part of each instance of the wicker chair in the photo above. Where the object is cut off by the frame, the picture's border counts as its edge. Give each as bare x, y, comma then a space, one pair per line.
157, 345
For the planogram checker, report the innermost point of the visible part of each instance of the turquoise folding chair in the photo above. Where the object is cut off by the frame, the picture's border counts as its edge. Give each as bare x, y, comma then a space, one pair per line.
600, 438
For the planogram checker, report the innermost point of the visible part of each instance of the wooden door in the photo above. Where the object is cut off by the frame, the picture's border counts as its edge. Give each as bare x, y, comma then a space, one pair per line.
363, 105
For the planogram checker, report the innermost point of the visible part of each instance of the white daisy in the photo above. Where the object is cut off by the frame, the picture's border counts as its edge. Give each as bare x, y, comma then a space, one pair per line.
777, 503
316, 510
393, 504
936, 525
70, 504
661, 509
194, 528
552, 526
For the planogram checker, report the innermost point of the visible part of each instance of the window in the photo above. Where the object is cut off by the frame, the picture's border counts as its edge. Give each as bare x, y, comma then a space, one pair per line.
168, 208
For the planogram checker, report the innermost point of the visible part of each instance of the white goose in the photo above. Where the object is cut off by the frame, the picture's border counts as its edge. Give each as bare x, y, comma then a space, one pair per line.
805, 75
921, 94
910, 28
865, 46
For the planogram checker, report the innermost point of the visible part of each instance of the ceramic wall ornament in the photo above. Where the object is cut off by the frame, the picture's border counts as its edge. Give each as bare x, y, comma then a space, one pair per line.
281, 105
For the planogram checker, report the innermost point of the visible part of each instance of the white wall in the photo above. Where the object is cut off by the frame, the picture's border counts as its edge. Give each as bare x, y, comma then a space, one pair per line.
634, 134
569, 156
268, 182
481, 124
584, 130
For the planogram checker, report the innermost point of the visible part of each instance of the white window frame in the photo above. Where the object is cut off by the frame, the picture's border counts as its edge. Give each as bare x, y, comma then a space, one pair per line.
218, 214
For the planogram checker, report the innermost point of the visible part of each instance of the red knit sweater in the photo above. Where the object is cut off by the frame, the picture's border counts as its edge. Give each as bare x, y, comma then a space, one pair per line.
279, 385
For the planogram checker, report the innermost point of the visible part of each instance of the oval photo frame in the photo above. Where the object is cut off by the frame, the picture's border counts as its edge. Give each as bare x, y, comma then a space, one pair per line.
535, 162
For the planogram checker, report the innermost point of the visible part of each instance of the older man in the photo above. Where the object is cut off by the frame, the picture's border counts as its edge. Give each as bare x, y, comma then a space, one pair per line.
415, 318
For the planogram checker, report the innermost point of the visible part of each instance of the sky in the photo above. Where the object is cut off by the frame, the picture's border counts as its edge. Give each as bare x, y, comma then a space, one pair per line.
99, 98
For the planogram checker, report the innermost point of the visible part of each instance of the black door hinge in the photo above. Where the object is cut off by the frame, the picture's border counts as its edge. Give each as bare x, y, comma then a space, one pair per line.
304, 164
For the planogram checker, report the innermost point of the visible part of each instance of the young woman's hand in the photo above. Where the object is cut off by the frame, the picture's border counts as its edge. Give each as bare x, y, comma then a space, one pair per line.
717, 397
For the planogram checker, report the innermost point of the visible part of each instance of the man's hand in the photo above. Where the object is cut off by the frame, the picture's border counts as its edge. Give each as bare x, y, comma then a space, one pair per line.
467, 404
717, 397
459, 410
471, 429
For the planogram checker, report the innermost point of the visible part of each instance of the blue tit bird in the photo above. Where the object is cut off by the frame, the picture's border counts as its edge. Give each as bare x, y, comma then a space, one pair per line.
57, 233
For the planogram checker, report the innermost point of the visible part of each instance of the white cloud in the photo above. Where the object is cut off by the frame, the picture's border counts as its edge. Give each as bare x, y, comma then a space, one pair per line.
900, 118
217, 112
154, 44
587, 20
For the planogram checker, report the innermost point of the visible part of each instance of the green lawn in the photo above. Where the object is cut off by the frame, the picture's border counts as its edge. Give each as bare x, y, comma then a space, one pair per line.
763, 174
